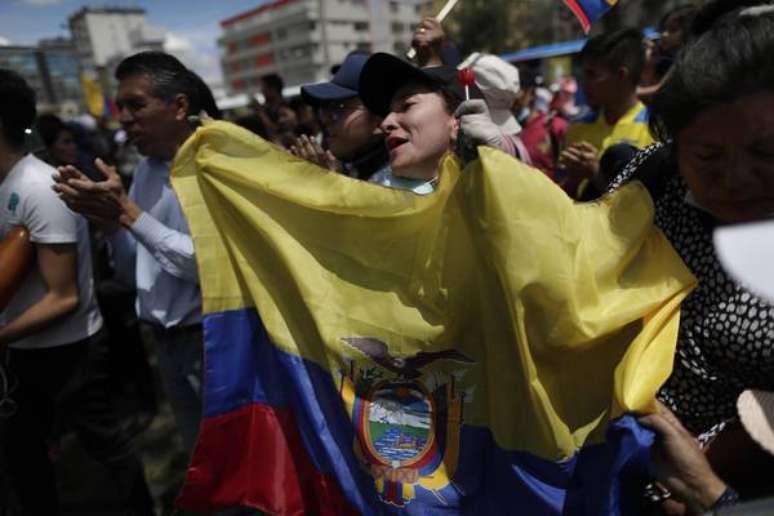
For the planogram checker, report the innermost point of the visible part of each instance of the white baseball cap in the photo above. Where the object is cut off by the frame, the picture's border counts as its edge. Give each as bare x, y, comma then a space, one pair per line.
499, 81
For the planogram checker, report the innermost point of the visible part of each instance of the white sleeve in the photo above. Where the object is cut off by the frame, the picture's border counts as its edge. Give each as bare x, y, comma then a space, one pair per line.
47, 218
174, 250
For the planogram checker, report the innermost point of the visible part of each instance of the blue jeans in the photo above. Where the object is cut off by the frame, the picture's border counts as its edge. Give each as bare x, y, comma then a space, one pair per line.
180, 353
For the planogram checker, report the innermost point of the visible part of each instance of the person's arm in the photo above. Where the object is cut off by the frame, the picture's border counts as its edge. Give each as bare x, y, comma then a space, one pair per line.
513, 145
107, 201
476, 123
174, 250
428, 40
580, 160
680, 465
58, 266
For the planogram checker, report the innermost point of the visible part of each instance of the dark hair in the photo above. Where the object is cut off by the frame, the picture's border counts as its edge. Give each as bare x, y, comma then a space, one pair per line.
450, 99
49, 127
683, 15
255, 125
206, 98
17, 108
169, 78
529, 78
730, 60
274, 81
620, 48
714, 11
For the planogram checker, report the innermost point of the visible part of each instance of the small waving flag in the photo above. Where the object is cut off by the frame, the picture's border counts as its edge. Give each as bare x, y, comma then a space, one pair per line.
589, 11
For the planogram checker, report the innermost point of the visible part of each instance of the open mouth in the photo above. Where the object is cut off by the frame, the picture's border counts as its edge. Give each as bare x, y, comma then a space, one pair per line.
394, 142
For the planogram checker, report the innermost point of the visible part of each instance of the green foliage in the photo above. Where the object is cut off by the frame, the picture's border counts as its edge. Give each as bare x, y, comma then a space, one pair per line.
498, 26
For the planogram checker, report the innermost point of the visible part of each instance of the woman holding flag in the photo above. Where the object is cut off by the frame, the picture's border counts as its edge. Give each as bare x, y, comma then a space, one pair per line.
714, 114
421, 353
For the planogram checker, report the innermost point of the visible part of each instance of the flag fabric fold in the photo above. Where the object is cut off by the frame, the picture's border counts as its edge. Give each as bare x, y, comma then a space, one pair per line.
589, 11
372, 351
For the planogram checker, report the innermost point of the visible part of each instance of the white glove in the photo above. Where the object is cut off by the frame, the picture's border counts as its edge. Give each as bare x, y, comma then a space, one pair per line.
477, 124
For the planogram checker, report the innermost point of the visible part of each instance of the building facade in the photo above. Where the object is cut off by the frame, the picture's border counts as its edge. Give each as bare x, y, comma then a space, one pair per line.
51, 69
102, 34
25, 61
61, 70
302, 39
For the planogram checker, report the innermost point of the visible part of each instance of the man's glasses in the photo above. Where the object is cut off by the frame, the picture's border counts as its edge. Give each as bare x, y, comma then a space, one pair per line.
334, 111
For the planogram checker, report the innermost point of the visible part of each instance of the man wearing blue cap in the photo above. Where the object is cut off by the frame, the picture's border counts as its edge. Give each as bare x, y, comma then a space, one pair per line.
352, 133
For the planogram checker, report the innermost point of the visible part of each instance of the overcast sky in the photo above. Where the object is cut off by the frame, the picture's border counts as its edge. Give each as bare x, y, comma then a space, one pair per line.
192, 26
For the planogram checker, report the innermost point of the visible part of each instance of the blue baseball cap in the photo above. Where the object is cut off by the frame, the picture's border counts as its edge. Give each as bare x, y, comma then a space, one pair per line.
344, 84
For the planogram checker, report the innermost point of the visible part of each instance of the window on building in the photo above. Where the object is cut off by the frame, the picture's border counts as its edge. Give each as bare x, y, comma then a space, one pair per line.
398, 28
364, 46
260, 39
362, 26
264, 60
393, 7
282, 33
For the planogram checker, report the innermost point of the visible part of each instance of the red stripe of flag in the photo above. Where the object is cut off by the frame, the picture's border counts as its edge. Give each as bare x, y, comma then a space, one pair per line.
255, 457
580, 14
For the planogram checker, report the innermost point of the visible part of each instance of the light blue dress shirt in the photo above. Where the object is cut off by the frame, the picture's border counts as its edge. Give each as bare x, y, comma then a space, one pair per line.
157, 254
385, 177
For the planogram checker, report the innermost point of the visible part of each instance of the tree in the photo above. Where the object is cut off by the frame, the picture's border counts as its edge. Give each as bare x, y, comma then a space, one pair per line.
497, 26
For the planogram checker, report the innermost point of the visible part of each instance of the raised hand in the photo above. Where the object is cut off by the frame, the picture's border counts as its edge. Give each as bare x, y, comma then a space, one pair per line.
428, 41
104, 202
310, 150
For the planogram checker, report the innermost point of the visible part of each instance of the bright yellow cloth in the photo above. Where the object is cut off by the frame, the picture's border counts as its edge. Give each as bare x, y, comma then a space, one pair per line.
631, 128
92, 93
570, 311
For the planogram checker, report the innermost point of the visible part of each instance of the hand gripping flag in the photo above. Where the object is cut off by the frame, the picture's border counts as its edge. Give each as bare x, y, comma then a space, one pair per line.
478, 350
589, 11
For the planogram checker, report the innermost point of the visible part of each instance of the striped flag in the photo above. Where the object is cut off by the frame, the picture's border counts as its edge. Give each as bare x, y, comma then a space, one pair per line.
589, 11
478, 350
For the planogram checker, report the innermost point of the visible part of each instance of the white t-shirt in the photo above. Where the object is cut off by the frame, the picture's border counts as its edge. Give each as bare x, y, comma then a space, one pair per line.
26, 199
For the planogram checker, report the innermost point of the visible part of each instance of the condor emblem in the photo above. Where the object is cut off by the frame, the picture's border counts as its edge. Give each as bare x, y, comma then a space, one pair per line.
407, 427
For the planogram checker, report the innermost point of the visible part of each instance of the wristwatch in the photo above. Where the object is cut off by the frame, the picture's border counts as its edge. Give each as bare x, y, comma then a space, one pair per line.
729, 497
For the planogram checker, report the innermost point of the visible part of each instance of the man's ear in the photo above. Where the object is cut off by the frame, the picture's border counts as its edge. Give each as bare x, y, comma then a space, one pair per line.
623, 74
181, 106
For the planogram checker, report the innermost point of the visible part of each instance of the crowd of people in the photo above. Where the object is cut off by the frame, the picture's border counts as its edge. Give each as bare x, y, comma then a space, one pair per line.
687, 115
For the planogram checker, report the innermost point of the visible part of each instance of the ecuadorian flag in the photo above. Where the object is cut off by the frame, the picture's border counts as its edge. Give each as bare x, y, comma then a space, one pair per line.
589, 11
369, 351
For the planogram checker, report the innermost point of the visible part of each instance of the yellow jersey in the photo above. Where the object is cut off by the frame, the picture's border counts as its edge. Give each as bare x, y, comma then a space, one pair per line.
631, 128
